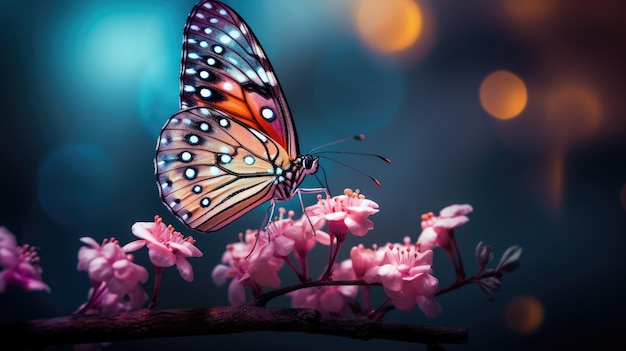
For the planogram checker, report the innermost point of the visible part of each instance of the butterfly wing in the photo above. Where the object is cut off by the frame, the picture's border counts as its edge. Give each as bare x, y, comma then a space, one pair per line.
225, 68
212, 168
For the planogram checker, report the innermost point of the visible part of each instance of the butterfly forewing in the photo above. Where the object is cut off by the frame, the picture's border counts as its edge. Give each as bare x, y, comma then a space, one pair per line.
224, 67
212, 169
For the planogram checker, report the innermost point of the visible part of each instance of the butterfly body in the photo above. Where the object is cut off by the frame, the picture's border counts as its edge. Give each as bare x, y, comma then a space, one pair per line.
233, 145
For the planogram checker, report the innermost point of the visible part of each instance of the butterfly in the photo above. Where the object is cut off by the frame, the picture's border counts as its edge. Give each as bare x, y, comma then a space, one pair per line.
233, 145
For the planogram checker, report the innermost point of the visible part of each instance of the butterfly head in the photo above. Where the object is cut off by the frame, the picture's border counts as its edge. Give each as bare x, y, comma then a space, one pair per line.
289, 181
308, 163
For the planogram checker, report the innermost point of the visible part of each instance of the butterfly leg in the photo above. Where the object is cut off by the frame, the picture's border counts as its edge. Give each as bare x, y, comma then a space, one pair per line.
268, 215
310, 191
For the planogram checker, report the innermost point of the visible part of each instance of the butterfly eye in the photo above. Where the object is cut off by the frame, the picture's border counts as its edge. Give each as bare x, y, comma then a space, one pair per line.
309, 162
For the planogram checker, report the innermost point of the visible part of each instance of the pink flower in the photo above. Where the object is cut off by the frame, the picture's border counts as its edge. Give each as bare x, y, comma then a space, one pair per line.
438, 230
263, 263
166, 247
110, 264
406, 276
115, 278
347, 213
303, 237
20, 264
103, 301
329, 298
282, 244
363, 259
247, 267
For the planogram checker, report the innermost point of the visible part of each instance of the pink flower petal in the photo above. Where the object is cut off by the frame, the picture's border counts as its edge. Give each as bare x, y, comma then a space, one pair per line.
283, 245
236, 293
220, 274
390, 277
184, 268
456, 210
451, 222
134, 246
429, 305
182, 249
160, 256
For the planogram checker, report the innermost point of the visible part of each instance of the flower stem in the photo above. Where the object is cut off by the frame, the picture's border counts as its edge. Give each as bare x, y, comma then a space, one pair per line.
455, 255
365, 291
290, 263
158, 273
96, 293
263, 299
473, 279
381, 310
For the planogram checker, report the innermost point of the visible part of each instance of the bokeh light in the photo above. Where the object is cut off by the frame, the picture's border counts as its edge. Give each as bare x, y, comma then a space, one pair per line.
555, 179
529, 10
524, 314
573, 112
76, 184
503, 94
388, 26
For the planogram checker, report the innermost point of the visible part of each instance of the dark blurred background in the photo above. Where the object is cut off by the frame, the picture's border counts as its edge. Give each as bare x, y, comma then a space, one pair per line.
514, 106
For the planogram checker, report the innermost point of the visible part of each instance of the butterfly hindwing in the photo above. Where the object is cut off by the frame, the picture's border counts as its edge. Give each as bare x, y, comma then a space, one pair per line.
224, 67
212, 168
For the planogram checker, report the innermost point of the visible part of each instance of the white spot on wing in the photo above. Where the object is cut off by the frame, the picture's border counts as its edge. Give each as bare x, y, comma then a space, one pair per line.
190, 173
235, 34
205, 92
272, 78
186, 156
263, 75
225, 39
267, 113
261, 137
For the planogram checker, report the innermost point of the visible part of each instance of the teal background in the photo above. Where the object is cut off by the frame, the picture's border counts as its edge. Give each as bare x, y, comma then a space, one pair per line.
86, 87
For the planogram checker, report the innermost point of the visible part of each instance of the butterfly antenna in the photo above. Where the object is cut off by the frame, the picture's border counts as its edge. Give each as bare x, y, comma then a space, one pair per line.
376, 181
356, 137
356, 153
